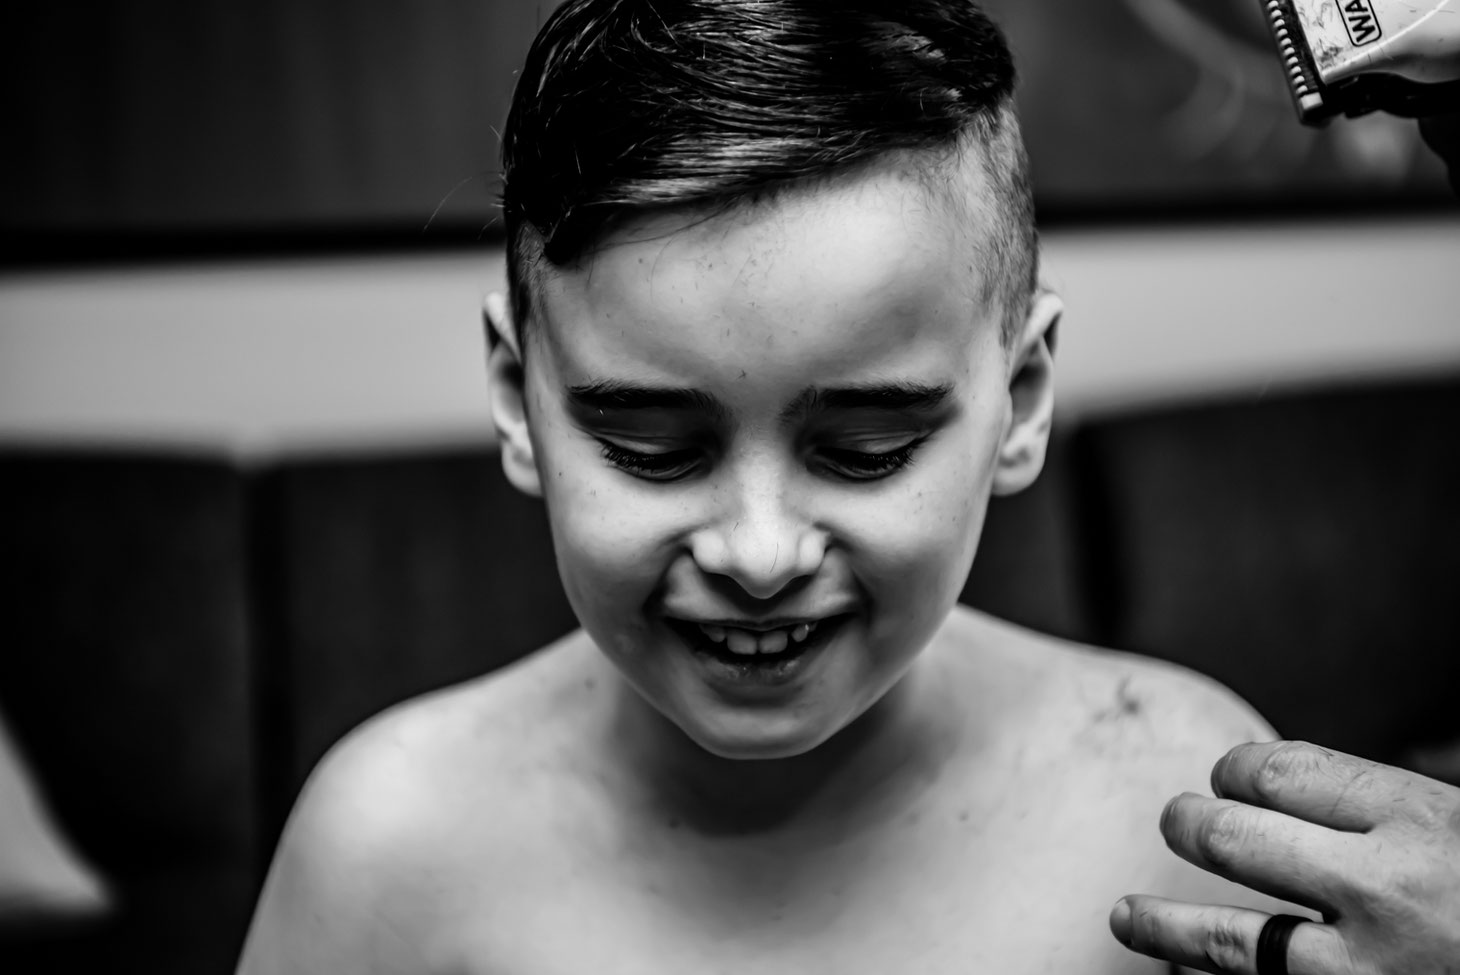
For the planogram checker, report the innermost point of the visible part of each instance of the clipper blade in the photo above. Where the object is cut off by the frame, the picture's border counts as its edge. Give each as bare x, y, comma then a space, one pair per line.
1302, 73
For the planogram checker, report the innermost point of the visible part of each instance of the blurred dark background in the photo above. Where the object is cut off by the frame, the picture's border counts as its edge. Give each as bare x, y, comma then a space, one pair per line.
273, 124
259, 119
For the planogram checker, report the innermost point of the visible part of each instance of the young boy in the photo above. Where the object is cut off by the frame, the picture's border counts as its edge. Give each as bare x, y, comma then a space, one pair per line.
774, 339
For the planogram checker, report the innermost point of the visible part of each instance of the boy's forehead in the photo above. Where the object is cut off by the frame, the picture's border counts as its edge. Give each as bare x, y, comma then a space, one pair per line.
754, 309
887, 242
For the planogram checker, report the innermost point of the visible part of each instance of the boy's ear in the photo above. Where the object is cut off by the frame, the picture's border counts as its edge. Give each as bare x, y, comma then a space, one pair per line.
507, 391
1031, 396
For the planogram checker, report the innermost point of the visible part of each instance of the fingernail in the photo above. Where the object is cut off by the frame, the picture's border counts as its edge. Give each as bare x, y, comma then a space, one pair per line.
1120, 921
1219, 774
1168, 809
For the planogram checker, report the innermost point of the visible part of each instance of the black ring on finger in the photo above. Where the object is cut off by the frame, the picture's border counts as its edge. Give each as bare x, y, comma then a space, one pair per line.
1272, 943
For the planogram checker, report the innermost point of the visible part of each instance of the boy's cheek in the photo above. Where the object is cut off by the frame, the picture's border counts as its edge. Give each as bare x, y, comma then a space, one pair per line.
941, 511
922, 570
919, 558
613, 549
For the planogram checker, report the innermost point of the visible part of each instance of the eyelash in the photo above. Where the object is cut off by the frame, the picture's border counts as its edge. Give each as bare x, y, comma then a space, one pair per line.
870, 466
851, 465
668, 466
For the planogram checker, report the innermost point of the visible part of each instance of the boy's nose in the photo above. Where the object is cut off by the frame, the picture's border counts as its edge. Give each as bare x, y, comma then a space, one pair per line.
761, 543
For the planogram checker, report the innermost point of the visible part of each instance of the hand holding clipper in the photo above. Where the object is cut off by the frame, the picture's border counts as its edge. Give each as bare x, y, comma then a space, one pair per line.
1352, 57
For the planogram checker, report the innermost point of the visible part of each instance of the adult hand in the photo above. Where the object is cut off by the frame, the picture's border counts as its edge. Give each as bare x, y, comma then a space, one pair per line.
1374, 849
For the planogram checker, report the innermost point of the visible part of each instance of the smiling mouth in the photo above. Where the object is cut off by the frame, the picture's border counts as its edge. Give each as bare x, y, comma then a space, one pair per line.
759, 647
748, 643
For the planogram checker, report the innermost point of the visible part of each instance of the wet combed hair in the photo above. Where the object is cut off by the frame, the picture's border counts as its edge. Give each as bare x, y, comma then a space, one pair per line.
624, 106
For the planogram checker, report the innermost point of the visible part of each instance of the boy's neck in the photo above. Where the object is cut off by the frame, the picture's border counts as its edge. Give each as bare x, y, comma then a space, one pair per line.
871, 771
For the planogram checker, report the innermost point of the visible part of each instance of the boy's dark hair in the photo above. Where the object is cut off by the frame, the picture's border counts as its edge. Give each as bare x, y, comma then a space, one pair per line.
628, 105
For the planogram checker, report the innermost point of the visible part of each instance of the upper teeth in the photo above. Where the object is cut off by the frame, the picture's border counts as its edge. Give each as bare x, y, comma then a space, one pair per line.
748, 642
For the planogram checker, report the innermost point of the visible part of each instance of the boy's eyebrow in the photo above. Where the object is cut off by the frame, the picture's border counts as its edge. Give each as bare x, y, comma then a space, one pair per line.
901, 396
616, 395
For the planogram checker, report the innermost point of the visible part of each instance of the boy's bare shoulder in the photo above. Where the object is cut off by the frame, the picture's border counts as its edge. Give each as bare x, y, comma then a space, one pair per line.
1108, 703
401, 804
1115, 736
445, 753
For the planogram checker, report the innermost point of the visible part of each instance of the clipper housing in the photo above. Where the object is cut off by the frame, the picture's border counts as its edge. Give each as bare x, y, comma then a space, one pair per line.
1351, 57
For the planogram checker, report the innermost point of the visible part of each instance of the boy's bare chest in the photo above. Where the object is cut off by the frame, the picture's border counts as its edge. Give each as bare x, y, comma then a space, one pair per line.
950, 890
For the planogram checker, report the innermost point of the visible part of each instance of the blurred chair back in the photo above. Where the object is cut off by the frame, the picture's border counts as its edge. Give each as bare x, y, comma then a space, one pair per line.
1303, 549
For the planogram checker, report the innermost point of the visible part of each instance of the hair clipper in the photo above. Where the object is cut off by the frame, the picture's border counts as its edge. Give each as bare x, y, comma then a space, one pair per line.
1352, 57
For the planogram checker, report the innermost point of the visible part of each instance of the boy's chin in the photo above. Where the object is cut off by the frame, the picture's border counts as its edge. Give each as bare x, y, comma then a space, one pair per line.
750, 742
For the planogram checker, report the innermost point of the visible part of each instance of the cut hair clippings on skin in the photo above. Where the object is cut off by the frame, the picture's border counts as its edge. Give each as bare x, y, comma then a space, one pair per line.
1352, 57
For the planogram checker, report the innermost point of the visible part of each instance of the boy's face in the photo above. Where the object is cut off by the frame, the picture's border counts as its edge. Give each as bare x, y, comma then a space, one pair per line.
766, 441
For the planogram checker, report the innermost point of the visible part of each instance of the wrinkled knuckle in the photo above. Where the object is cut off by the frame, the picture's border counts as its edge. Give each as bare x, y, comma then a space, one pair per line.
1393, 891
1405, 891
1290, 763
1426, 814
1372, 890
1435, 808
1225, 946
1221, 838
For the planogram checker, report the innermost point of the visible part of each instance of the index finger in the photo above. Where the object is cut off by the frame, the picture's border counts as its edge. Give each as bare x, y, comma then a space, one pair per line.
1313, 783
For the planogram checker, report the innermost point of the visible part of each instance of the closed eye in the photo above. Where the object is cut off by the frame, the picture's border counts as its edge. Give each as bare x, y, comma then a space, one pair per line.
860, 464
875, 459
668, 465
